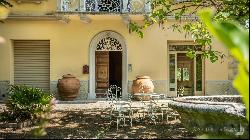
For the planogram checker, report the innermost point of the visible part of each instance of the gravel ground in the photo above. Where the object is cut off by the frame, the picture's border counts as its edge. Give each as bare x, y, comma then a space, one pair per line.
90, 120
77, 105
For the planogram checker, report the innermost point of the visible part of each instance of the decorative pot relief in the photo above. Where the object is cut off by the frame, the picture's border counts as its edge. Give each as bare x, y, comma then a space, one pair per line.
143, 84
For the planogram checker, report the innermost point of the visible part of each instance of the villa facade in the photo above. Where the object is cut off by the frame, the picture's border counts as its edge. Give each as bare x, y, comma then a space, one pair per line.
46, 39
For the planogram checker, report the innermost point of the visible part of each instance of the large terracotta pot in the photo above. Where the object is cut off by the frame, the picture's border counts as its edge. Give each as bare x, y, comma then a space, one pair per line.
143, 84
68, 87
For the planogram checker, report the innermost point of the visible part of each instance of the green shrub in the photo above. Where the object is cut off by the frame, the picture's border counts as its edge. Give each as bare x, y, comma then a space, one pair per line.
27, 102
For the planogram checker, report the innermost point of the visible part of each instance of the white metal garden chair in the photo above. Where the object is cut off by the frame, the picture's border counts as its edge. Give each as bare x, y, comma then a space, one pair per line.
121, 110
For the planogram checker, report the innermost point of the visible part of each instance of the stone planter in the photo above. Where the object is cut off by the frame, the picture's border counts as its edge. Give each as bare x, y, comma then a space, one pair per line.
222, 115
68, 87
143, 84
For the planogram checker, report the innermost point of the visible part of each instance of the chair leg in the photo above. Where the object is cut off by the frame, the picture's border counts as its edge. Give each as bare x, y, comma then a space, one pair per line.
162, 113
117, 123
124, 119
131, 121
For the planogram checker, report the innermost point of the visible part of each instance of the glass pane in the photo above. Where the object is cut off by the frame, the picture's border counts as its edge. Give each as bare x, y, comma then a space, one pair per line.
179, 74
172, 72
198, 73
185, 74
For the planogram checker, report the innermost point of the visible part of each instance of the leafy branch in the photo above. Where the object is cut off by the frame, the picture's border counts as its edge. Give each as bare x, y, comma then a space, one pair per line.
5, 3
224, 10
236, 39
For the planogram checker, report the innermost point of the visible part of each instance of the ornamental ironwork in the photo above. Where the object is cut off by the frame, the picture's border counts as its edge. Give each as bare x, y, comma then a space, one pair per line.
109, 44
90, 5
109, 5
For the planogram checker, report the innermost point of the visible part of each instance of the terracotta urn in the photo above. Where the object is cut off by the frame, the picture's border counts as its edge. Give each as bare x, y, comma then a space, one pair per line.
142, 84
68, 87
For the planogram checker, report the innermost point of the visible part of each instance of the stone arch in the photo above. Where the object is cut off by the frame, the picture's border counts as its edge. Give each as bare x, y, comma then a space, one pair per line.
107, 41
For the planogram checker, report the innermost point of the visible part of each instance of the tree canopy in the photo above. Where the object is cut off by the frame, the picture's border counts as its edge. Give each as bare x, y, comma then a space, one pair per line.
5, 3
225, 10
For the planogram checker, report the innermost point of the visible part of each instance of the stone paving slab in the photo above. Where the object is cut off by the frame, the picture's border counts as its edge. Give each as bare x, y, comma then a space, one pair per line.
98, 104
91, 104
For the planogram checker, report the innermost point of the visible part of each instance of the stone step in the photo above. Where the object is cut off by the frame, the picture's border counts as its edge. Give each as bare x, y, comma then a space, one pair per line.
101, 95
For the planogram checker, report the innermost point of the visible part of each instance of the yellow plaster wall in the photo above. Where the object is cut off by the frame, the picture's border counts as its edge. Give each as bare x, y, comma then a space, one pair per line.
70, 48
4, 61
70, 44
30, 8
218, 70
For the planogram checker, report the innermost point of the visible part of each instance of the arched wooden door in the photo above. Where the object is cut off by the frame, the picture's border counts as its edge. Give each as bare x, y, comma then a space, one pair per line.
108, 64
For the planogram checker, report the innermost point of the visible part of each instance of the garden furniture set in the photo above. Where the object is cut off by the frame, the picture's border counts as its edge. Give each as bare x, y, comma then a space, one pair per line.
124, 110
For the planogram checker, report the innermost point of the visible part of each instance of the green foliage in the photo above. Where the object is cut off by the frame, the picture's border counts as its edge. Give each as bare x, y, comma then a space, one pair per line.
225, 10
5, 3
211, 119
236, 39
30, 103
210, 136
27, 101
133, 27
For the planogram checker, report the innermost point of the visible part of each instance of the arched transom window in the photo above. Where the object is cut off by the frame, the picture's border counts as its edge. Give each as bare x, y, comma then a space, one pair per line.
109, 44
108, 41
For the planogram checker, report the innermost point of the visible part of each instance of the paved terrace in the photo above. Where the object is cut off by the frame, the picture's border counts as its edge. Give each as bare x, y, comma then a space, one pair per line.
87, 119
92, 104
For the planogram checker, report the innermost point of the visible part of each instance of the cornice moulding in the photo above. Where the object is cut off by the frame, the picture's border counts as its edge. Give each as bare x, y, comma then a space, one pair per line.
30, 1
16, 17
31, 17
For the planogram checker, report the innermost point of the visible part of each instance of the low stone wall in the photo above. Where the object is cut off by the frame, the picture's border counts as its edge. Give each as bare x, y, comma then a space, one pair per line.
213, 99
215, 115
161, 86
211, 88
220, 88
3, 90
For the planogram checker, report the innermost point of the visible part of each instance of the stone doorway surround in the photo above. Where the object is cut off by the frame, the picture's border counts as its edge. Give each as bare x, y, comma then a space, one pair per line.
96, 44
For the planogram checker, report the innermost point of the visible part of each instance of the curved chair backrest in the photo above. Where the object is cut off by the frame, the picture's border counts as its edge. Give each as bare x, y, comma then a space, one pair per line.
114, 92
